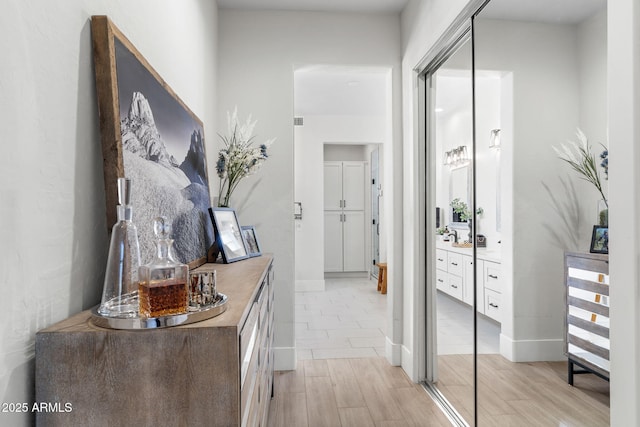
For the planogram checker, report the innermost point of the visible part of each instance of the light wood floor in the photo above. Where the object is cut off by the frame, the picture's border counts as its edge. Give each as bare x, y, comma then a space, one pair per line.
370, 392
523, 394
350, 393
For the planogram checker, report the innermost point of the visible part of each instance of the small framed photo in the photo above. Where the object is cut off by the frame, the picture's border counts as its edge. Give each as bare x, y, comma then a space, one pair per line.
228, 234
251, 240
600, 240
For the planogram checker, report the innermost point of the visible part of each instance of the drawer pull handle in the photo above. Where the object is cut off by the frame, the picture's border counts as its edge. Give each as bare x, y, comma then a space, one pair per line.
440, 259
454, 286
493, 276
440, 280
493, 305
454, 263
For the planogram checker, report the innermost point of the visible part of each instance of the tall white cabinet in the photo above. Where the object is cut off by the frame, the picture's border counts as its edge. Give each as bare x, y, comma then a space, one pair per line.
344, 216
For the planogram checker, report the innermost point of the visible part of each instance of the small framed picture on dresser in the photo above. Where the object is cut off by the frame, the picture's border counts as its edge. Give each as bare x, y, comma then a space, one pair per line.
228, 235
599, 240
251, 239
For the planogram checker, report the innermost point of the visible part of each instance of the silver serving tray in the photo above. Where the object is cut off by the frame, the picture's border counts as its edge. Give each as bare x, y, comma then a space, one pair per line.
197, 315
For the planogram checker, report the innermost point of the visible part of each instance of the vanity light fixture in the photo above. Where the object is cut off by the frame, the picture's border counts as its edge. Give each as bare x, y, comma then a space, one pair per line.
457, 157
494, 140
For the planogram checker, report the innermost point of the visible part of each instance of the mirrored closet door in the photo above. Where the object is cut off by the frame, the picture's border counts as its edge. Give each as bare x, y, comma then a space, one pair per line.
517, 300
540, 80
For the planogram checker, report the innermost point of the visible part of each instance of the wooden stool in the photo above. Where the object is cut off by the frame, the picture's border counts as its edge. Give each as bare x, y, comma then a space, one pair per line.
382, 277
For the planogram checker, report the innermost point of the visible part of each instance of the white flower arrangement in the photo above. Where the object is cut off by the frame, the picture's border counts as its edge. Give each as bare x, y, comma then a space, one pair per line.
579, 156
239, 157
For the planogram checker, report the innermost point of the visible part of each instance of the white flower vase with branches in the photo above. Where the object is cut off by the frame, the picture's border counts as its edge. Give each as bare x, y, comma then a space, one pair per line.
240, 157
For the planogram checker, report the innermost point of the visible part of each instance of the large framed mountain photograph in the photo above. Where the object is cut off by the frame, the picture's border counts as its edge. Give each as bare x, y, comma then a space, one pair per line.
150, 136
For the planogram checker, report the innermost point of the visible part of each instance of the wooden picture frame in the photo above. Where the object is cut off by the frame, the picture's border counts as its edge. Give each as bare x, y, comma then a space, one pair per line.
599, 240
228, 233
251, 240
150, 136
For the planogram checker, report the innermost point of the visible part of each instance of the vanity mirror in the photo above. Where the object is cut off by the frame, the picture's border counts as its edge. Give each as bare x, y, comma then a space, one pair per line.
458, 190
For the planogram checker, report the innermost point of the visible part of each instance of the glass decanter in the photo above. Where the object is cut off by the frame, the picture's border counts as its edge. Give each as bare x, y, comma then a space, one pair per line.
120, 290
162, 287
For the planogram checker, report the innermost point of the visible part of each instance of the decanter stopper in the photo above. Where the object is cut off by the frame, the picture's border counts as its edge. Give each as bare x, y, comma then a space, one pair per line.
120, 290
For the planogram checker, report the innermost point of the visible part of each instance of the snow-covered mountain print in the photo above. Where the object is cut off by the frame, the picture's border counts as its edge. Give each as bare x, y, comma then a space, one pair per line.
163, 154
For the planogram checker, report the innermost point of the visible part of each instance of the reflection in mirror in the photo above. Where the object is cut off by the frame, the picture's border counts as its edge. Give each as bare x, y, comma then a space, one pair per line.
452, 363
540, 75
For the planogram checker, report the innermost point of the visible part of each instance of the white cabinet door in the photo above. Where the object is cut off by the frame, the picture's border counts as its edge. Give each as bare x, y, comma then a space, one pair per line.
332, 241
332, 185
353, 236
353, 188
467, 283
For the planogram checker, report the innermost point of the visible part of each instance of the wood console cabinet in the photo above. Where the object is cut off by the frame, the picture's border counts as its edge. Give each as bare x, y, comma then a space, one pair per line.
218, 372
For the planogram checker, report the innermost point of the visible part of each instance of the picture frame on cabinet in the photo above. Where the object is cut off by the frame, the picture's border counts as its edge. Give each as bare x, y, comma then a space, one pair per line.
599, 240
251, 240
228, 235
151, 136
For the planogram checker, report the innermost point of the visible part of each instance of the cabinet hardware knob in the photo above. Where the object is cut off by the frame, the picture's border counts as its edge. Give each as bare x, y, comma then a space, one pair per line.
440, 280
440, 259
493, 276
454, 286
453, 263
493, 305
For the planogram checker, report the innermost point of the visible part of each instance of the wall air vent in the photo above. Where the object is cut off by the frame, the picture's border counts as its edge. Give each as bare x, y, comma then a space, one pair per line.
298, 121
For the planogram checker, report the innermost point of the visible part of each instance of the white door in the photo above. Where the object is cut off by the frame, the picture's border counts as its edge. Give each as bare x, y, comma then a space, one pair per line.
353, 241
353, 188
333, 241
332, 185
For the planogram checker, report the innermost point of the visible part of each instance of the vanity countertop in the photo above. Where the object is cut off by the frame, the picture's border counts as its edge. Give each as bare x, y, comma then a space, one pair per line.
483, 253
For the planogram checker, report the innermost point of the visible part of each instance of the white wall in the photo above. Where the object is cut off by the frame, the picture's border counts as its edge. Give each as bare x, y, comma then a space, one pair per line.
422, 23
52, 213
623, 88
319, 136
544, 98
259, 51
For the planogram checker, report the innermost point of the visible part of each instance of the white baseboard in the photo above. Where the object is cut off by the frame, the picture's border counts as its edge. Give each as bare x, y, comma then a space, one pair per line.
548, 350
407, 362
284, 358
310, 285
393, 352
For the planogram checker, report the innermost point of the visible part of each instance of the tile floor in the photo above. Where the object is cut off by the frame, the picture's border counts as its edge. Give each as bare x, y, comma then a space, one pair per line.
346, 320
455, 329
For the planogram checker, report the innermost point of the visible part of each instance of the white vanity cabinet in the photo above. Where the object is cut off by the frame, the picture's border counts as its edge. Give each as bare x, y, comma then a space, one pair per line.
455, 272
449, 273
492, 287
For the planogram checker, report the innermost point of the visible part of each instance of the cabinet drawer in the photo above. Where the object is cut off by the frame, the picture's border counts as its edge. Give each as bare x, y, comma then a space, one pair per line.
454, 264
455, 286
492, 276
248, 341
441, 259
492, 304
442, 281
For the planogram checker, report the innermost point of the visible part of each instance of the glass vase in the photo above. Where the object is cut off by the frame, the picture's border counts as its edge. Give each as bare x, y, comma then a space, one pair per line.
603, 213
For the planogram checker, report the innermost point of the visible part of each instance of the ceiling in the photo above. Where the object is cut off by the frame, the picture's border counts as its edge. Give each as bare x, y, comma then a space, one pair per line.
317, 5
559, 11
550, 11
